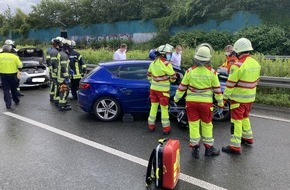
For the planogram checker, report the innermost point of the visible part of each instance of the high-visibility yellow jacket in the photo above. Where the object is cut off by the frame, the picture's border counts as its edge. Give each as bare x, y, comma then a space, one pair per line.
200, 83
9, 63
243, 79
160, 74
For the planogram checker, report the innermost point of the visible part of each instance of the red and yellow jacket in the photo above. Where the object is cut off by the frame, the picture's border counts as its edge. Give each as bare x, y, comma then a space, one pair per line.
200, 83
243, 79
160, 74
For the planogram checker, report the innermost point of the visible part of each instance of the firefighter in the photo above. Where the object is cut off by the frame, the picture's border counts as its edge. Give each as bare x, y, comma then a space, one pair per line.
49, 54
77, 69
241, 90
54, 59
160, 74
63, 80
200, 83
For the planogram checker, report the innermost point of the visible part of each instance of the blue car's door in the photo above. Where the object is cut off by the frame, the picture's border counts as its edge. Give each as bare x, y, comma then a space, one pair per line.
134, 90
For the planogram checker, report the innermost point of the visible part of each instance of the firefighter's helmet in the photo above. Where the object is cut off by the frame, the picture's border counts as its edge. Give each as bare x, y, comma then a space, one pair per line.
9, 42
243, 45
60, 40
202, 53
163, 49
73, 43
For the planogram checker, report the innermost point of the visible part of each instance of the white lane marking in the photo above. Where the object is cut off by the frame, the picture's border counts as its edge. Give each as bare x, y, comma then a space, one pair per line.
137, 160
270, 118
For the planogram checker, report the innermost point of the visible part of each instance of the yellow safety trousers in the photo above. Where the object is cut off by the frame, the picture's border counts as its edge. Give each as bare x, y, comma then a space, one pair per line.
240, 128
164, 114
206, 131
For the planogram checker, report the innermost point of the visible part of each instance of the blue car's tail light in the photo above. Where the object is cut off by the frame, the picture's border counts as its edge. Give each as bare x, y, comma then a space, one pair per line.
84, 85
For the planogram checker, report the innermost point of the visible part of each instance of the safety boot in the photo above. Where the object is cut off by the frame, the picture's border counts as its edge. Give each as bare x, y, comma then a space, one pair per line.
247, 141
195, 151
56, 103
166, 130
232, 150
51, 98
151, 127
211, 151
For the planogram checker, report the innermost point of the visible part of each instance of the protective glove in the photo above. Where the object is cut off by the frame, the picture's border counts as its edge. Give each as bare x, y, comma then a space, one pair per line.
220, 110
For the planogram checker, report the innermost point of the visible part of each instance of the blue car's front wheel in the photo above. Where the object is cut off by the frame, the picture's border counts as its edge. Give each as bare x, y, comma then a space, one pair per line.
107, 109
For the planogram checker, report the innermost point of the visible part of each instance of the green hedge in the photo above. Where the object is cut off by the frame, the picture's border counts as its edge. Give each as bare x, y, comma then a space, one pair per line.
277, 68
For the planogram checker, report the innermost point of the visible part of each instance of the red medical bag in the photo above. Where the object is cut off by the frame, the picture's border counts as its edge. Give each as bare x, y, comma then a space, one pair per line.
165, 161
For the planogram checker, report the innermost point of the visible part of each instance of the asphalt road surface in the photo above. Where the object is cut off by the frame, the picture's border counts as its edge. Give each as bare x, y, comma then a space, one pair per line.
43, 148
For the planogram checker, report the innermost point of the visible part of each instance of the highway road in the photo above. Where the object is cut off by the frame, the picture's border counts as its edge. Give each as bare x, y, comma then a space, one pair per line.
43, 148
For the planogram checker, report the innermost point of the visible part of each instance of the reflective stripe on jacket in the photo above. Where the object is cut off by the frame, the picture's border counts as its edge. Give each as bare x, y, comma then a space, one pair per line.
200, 83
54, 62
243, 80
62, 71
160, 74
77, 65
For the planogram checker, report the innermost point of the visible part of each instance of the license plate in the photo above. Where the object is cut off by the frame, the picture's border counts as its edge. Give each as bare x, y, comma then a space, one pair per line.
38, 79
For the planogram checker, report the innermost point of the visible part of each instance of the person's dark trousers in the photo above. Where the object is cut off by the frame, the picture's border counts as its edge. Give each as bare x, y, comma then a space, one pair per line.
9, 83
75, 87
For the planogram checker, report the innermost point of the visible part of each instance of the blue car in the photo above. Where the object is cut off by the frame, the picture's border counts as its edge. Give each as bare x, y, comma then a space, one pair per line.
115, 88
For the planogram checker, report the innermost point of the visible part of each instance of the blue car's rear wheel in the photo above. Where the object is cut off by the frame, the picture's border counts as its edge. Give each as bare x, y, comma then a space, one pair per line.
107, 109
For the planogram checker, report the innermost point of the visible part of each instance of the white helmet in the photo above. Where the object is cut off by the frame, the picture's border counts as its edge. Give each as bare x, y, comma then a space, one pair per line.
9, 42
163, 49
58, 40
73, 43
61, 39
68, 42
243, 45
202, 53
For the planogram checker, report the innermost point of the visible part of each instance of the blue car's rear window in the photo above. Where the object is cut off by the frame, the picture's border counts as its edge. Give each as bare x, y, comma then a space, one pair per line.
138, 71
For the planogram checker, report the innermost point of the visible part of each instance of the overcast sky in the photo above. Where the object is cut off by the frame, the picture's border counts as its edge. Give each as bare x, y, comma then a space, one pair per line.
24, 5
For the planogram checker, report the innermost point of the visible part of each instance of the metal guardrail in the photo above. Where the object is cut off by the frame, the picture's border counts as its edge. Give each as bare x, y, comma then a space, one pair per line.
274, 57
281, 82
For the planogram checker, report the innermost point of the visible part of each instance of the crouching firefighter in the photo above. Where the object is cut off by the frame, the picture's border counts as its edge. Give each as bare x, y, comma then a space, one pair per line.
160, 74
200, 83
